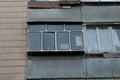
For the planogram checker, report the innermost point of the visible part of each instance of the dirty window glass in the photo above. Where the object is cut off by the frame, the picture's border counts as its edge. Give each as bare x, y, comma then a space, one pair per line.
34, 41
104, 40
36, 27
55, 27
49, 41
116, 38
76, 40
73, 27
92, 43
63, 40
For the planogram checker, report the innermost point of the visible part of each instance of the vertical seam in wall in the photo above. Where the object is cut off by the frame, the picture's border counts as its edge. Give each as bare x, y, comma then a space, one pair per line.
111, 66
81, 13
86, 68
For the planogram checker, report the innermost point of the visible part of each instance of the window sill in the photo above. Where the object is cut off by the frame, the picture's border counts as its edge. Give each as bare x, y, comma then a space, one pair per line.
63, 52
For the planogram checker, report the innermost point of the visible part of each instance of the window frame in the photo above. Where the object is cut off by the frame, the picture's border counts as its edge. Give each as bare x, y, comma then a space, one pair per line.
111, 38
56, 42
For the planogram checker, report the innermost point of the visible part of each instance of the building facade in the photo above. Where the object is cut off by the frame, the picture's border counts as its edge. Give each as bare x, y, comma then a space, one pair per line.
59, 39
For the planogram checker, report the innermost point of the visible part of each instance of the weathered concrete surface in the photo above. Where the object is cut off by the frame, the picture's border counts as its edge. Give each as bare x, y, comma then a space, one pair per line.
99, 67
57, 67
100, 13
73, 14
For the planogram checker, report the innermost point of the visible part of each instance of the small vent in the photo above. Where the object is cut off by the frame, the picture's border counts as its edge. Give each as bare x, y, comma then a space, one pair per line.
69, 2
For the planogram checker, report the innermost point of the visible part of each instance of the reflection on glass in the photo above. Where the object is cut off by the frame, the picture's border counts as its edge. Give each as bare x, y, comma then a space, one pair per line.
55, 27
116, 38
36, 27
92, 43
63, 40
104, 40
34, 41
73, 27
49, 41
76, 40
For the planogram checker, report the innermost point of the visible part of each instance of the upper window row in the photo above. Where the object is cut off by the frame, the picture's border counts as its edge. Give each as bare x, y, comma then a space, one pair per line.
82, 0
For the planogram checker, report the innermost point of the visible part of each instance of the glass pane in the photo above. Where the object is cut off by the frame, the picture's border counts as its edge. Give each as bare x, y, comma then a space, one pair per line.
116, 38
76, 38
92, 43
73, 27
104, 40
36, 27
55, 27
63, 40
34, 41
49, 41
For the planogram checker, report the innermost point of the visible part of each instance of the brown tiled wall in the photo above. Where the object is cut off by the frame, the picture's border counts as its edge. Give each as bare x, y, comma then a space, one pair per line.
13, 39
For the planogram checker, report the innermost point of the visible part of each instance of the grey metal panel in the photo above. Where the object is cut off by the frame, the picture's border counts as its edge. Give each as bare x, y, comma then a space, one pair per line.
100, 13
116, 66
29, 68
99, 67
116, 79
72, 14
57, 67
108, 55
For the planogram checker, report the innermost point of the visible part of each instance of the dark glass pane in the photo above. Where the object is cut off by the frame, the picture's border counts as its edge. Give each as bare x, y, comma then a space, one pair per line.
34, 41
49, 41
55, 27
92, 43
116, 38
73, 27
104, 40
76, 38
36, 27
63, 40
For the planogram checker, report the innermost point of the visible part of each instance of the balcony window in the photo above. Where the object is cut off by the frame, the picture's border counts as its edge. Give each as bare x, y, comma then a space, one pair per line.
116, 38
102, 39
55, 37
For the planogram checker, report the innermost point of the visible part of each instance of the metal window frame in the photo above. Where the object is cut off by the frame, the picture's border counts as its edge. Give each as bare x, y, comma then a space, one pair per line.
56, 31
111, 39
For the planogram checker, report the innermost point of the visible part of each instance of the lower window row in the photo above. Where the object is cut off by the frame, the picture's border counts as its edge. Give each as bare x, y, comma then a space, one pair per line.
92, 39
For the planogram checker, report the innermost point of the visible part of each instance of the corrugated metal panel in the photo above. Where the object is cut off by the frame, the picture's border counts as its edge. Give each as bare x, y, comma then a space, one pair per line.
116, 66
99, 67
57, 67
72, 14
101, 14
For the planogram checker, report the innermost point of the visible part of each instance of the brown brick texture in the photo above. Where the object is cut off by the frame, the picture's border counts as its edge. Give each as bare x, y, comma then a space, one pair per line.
13, 39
